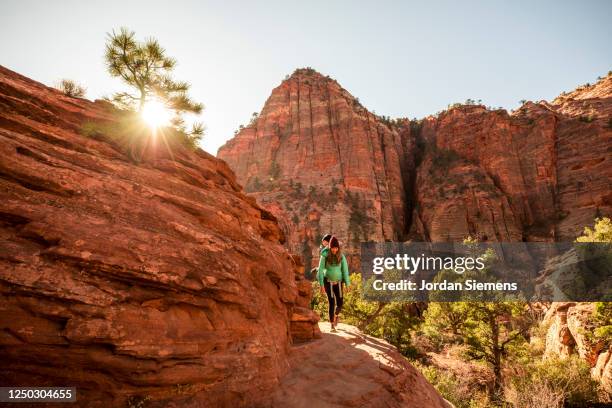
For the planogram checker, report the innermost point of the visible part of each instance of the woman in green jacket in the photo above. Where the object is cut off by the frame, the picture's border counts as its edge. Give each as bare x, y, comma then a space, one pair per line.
333, 270
323, 248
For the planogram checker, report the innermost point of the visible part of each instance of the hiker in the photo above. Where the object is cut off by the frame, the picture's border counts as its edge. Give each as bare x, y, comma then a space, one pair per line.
324, 243
333, 271
323, 248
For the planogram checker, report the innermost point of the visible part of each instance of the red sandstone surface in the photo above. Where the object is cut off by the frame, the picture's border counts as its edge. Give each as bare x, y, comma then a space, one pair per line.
320, 162
352, 369
158, 283
158, 280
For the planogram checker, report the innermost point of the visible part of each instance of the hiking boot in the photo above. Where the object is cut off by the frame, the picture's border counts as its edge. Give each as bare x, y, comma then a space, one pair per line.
333, 325
336, 320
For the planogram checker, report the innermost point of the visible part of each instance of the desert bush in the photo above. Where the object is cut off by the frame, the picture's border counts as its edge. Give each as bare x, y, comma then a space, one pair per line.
551, 383
443, 158
540, 395
601, 232
71, 88
454, 389
132, 136
537, 339
318, 302
601, 320
602, 315
254, 117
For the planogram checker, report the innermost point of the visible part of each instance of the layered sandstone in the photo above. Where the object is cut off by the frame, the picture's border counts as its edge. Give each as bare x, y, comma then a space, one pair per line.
160, 281
320, 162
520, 176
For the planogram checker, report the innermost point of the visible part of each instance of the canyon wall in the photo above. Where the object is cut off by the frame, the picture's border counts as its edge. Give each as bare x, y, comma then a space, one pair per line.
540, 173
321, 162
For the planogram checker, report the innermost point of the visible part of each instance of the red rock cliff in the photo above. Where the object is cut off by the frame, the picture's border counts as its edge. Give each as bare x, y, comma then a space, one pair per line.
158, 281
540, 173
320, 162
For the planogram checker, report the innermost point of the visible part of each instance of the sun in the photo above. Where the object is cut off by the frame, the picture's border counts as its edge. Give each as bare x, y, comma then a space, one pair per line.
155, 114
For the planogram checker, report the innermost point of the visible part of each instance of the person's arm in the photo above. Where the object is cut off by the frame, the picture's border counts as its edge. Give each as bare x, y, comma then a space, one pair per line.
321, 272
345, 271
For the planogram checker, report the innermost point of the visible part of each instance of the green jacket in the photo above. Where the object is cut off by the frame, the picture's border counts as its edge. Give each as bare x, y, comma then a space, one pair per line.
323, 250
333, 273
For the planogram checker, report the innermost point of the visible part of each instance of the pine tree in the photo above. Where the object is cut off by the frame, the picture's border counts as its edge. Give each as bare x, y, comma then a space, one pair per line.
491, 331
145, 67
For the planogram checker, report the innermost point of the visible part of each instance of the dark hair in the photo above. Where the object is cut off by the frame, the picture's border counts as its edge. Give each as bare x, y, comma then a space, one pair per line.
334, 259
326, 237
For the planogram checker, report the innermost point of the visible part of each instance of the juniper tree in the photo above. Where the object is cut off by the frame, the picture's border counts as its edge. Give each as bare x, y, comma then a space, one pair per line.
491, 330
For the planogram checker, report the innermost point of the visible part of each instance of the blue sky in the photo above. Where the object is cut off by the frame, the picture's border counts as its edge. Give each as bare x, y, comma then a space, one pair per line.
400, 58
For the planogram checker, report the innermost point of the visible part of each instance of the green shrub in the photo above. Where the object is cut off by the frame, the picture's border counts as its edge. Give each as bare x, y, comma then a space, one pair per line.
71, 88
454, 389
601, 232
534, 395
129, 133
318, 303
602, 319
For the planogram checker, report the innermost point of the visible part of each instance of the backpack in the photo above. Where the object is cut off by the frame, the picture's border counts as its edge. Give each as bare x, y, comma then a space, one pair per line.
339, 262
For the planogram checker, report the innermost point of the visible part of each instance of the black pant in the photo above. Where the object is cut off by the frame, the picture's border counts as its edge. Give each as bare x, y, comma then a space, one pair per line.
334, 301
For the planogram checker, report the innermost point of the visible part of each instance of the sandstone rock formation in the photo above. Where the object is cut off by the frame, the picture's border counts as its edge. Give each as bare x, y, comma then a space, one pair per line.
159, 281
569, 325
519, 176
321, 162
602, 371
351, 369
559, 339
159, 284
